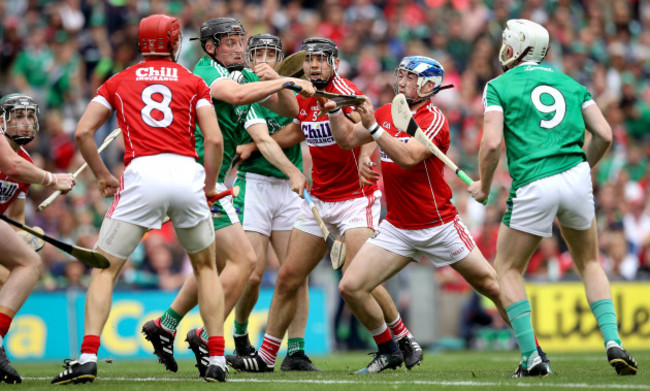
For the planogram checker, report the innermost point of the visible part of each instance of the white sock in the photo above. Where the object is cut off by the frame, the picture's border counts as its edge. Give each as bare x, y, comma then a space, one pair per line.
87, 357
218, 360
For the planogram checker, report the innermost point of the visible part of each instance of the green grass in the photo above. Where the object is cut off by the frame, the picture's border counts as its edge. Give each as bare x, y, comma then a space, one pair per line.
448, 370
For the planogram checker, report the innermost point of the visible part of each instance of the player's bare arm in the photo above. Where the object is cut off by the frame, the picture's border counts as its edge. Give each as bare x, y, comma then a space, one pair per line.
21, 170
95, 115
488, 155
406, 155
284, 101
16, 211
237, 94
347, 134
213, 152
286, 137
601, 133
367, 174
273, 153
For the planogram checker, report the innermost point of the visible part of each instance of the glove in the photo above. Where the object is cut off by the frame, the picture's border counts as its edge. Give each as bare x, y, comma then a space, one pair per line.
31, 240
237, 76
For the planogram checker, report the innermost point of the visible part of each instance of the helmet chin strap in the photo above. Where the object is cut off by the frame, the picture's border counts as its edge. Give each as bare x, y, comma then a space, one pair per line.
515, 61
20, 140
236, 67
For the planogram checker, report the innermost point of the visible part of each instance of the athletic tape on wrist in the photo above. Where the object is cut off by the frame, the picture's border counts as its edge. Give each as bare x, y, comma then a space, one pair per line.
376, 131
49, 179
335, 112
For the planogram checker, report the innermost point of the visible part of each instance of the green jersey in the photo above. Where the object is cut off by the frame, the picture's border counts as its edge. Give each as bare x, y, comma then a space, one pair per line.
543, 125
233, 120
257, 164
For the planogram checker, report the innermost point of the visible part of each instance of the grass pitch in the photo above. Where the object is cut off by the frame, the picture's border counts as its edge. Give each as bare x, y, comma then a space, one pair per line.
447, 370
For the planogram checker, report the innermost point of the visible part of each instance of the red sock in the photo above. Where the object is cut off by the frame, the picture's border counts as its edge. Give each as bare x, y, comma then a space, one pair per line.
381, 335
5, 322
90, 344
536, 342
398, 328
269, 350
216, 346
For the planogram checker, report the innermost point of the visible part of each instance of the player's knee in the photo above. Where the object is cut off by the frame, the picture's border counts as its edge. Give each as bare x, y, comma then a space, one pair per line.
347, 288
255, 279
289, 281
489, 287
250, 262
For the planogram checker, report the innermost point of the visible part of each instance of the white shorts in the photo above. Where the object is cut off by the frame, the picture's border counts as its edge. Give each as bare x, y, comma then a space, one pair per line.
154, 186
266, 204
567, 195
341, 216
441, 245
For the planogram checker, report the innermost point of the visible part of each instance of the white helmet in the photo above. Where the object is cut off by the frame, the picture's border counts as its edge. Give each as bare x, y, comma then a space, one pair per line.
528, 40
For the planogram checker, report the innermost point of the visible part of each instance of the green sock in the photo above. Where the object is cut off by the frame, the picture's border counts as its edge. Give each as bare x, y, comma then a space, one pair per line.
170, 319
204, 335
295, 345
605, 315
241, 328
519, 315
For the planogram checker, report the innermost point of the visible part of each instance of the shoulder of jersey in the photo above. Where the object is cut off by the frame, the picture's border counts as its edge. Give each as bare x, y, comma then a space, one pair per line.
430, 118
341, 85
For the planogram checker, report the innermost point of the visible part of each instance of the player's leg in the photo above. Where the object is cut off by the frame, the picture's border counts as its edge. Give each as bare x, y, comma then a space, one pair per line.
235, 260
305, 251
356, 232
296, 359
249, 296
25, 268
117, 240
368, 269
210, 293
578, 225
583, 246
514, 249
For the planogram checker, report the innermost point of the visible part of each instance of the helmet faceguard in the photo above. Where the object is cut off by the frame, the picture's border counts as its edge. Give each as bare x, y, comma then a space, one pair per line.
158, 34
415, 72
324, 47
264, 48
528, 40
225, 32
19, 118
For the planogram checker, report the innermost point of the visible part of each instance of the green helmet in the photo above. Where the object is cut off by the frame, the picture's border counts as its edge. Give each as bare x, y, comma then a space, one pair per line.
9, 104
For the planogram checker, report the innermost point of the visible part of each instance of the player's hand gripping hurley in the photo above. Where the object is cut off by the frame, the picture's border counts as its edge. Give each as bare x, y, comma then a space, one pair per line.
336, 246
404, 121
86, 256
342, 100
109, 139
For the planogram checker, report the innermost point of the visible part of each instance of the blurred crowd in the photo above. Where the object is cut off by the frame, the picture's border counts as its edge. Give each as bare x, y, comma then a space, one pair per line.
60, 51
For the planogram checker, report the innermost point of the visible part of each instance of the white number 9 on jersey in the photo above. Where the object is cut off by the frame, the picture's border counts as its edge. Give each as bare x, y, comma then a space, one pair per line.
153, 105
558, 107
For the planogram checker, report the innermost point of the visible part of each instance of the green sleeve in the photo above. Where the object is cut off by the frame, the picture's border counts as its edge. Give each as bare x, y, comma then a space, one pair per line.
491, 97
210, 73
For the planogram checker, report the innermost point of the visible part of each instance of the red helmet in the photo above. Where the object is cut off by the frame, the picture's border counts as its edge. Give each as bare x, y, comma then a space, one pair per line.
157, 35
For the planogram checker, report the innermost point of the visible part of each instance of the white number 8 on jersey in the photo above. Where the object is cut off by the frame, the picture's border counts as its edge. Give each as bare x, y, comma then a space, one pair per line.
151, 105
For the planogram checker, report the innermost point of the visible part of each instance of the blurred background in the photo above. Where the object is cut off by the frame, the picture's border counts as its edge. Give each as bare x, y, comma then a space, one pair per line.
61, 51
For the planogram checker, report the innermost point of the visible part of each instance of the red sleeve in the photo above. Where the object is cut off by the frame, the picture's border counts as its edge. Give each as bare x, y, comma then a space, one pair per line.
203, 90
107, 91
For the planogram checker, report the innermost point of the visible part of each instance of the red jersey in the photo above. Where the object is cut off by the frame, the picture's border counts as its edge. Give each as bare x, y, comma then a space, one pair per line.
11, 189
419, 197
335, 170
156, 102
